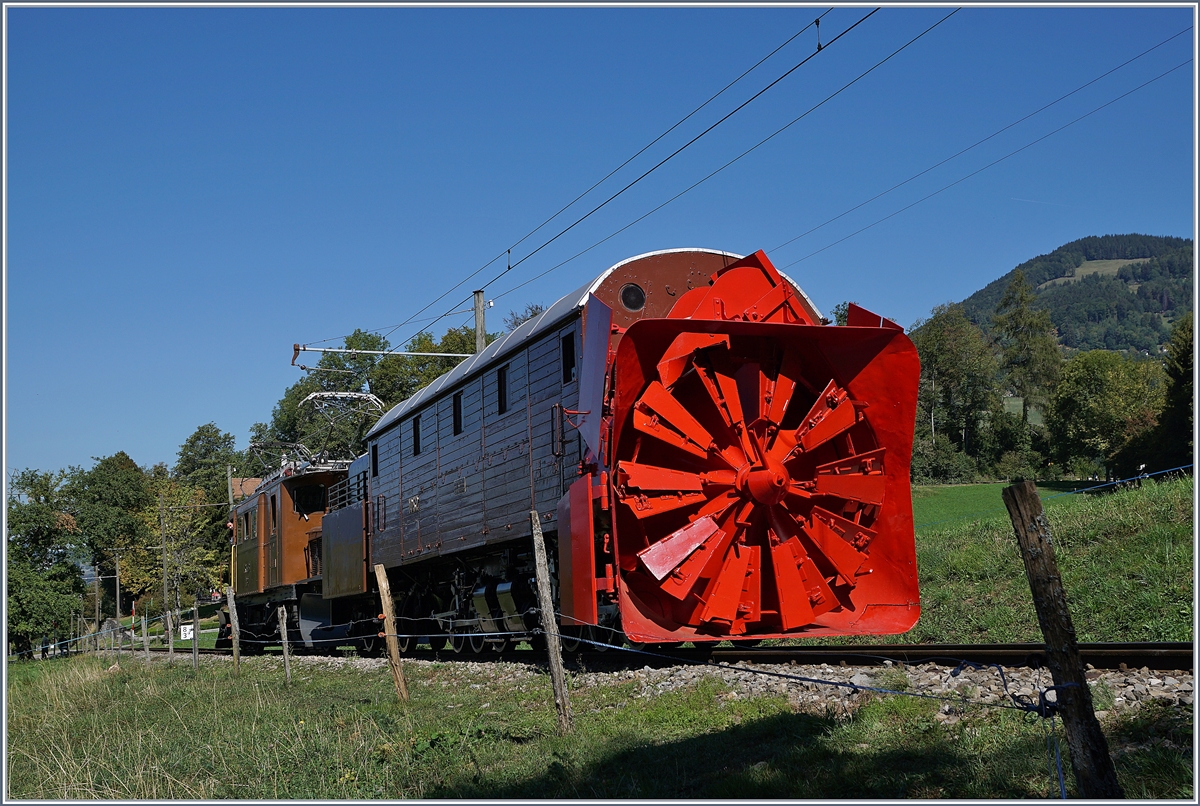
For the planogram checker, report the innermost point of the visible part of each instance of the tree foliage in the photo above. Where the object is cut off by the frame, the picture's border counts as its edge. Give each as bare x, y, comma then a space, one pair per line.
391, 378
106, 502
958, 375
841, 313
515, 319
1128, 311
1104, 401
38, 606
1178, 415
201, 469
195, 560
1030, 356
44, 582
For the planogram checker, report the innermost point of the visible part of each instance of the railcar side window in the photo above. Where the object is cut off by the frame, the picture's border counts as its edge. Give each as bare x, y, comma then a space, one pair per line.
250, 525
502, 389
416, 435
374, 461
458, 413
309, 499
380, 512
568, 358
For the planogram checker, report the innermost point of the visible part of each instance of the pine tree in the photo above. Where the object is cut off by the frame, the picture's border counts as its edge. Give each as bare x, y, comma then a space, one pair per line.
1030, 360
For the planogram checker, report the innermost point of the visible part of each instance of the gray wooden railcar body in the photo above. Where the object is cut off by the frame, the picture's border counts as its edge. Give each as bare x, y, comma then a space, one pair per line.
464, 465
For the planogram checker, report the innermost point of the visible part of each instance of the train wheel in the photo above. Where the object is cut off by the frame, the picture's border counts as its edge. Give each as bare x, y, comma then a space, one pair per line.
439, 643
568, 640
499, 645
369, 647
601, 636
478, 643
407, 625
458, 643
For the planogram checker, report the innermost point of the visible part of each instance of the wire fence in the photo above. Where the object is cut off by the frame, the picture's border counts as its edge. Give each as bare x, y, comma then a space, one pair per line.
91, 641
1044, 707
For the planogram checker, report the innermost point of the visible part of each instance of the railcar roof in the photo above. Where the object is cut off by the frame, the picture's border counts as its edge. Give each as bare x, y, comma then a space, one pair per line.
547, 320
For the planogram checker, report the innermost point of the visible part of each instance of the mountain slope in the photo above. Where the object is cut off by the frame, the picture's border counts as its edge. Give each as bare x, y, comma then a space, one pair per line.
1115, 292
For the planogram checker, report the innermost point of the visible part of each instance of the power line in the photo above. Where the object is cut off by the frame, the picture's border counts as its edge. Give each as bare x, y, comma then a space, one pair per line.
981, 142
601, 181
673, 154
662, 162
989, 165
701, 181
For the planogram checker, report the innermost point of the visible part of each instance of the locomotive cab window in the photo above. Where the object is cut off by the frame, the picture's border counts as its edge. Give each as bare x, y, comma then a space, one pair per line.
457, 405
308, 499
502, 390
416, 435
374, 461
568, 358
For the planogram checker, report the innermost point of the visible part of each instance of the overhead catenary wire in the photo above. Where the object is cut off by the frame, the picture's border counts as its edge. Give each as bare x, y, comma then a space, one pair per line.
704, 179
673, 154
861, 204
978, 143
711, 127
994, 162
508, 252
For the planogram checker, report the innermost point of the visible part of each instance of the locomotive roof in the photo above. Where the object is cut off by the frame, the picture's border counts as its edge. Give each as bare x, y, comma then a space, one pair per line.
562, 309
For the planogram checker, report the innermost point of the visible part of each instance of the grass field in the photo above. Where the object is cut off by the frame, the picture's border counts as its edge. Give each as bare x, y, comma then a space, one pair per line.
1105, 268
1125, 557
77, 730
144, 731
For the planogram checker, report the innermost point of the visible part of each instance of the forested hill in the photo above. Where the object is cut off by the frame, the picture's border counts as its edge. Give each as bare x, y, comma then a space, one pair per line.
1114, 292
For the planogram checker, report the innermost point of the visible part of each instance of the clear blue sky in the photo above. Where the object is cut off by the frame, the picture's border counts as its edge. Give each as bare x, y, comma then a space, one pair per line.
190, 191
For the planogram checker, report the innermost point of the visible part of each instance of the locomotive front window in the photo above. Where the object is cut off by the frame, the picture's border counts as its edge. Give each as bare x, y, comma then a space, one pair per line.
568, 358
502, 390
308, 499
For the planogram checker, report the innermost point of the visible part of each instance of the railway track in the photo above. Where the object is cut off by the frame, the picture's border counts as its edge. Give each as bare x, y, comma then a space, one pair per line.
1152, 655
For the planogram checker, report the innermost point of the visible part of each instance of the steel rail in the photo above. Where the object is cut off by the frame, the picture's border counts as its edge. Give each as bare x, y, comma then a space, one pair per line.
1152, 655
1136, 655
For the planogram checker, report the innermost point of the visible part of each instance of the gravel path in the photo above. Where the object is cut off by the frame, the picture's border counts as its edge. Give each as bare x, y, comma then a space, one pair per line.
1128, 688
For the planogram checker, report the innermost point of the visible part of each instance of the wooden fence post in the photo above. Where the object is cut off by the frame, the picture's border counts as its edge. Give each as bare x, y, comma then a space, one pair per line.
195, 637
168, 631
389, 627
145, 637
1094, 772
283, 634
236, 634
558, 676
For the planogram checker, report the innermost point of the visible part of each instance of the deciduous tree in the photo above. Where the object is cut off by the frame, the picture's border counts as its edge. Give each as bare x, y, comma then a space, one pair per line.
1102, 402
958, 375
44, 581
